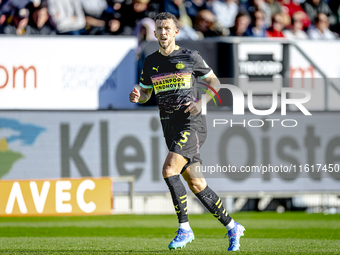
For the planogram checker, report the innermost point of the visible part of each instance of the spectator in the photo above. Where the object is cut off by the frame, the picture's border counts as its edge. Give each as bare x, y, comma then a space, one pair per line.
297, 28
9, 7
240, 28
7, 10
242, 3
132, 11
94, 7
199, 5
313, 7
40, 22
113, 26
257, 27
320, 29
179, 8
277, 26
260, 5
115, 5
18, 23
2, 19
335, 7
68, 15
187, 33
95, 16
184, 9
113, 18
274, 7
144, 31
225, 12
290, 7
195, 6
207, 25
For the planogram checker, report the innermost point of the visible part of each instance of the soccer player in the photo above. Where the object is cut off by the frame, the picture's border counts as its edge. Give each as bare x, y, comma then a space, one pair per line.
172, 71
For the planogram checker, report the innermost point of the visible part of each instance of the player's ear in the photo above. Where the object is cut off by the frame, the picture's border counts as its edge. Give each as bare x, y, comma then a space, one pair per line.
176, 31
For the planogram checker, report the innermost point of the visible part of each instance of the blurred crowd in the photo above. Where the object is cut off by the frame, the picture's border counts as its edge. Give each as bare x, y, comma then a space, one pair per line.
197, 19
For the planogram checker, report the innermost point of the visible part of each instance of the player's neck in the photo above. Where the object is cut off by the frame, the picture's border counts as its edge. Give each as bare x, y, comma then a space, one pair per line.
169, 50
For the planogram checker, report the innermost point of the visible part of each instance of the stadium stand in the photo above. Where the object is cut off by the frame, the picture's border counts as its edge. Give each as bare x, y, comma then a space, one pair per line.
198, 18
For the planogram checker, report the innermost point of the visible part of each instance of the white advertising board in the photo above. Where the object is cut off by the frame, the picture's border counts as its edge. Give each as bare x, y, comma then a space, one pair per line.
66, 73
35, 145
326, 56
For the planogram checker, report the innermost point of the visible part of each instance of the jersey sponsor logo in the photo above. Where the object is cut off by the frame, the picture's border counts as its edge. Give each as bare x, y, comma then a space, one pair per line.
171, 82
154, 68
180, 65
171, 86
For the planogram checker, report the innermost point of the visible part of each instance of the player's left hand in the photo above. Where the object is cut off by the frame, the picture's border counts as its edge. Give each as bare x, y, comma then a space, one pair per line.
193, 107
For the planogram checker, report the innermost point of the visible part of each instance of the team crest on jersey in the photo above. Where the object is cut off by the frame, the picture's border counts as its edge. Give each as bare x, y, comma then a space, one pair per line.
180, 65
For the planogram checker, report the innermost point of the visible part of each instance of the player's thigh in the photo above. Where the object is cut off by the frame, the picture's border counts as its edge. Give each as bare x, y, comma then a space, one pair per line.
173, 164
194, 177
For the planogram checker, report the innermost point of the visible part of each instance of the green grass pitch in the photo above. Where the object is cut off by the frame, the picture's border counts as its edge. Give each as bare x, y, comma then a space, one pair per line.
266, 233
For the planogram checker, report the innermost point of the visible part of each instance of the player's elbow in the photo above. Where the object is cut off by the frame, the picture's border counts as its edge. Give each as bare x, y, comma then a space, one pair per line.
145, 96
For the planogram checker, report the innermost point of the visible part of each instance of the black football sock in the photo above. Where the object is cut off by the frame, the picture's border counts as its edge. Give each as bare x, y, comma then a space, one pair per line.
179, 197
214, 204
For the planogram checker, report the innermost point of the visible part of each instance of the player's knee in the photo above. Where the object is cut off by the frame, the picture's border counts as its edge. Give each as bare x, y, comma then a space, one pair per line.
197, 185
168, 171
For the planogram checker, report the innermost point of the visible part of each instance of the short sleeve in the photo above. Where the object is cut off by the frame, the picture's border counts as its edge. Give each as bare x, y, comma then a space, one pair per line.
145, 80
201, 68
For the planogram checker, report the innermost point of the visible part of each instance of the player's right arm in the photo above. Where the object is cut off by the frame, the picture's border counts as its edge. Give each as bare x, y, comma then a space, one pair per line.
140, 95
142, 92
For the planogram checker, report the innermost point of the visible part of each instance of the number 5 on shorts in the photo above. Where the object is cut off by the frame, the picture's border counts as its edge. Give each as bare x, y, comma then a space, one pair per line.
185, 138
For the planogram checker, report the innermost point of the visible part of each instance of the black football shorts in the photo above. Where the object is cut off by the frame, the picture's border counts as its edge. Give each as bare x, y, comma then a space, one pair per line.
187, 142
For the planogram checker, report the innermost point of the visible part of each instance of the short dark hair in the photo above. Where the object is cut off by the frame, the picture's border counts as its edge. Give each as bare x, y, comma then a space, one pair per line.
241, 14
252, 14
166, 16
317, 17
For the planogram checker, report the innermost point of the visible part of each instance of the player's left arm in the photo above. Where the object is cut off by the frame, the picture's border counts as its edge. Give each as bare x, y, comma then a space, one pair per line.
212, 81
195, 107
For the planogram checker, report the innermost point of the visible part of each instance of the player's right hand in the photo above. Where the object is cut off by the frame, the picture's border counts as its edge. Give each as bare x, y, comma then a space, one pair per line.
134, 96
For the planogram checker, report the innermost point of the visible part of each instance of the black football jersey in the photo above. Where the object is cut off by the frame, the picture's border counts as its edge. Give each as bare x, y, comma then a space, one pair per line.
173, 78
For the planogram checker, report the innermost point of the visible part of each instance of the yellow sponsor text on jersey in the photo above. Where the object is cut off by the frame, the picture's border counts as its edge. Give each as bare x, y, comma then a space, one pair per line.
172, 82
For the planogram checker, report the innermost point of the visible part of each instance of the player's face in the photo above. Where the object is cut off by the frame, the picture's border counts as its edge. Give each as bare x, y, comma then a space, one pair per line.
165, 32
